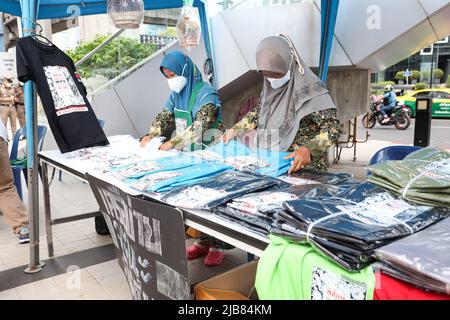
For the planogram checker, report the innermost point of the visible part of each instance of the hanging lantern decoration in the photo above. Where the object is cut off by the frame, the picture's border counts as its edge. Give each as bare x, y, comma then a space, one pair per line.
126, 14
188, 26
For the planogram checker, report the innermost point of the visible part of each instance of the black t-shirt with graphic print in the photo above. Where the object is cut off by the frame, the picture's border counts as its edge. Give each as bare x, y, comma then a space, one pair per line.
70, 116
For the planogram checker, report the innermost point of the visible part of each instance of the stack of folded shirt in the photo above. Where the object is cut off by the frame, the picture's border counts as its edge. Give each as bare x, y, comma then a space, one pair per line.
289, 270
349, 227
258, 211
422, 177
242, 158
140, 168
162, 181
263, 211
422, 259
218, 190
314, 177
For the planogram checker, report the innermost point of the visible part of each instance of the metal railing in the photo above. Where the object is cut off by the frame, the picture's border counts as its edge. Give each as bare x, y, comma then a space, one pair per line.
159, 41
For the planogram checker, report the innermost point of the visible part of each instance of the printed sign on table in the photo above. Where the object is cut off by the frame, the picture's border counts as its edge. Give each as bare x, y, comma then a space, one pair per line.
149, 240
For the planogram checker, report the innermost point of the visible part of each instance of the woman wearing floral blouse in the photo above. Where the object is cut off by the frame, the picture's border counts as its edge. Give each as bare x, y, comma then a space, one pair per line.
192, 108
295, 104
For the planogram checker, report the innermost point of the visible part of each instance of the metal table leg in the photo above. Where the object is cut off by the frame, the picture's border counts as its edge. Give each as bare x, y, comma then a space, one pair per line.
48, 215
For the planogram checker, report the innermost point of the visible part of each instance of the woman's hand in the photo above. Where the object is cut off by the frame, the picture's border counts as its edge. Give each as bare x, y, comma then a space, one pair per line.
166, 146
302, 158
228, 136
145, 140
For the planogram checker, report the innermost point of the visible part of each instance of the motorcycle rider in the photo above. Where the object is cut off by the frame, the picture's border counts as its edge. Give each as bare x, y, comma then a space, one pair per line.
389, 102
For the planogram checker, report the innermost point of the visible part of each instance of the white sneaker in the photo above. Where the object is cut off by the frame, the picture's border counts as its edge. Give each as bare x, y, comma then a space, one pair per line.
24, 236
386, 120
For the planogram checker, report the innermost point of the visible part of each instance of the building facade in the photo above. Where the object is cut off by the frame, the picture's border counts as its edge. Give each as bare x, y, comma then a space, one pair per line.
436, 56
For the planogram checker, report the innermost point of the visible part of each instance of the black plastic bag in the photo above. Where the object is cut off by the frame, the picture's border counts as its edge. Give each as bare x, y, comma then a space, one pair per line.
100, 225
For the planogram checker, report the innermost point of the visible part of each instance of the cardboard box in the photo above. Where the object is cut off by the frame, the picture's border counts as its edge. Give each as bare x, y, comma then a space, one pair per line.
236, 284
193, 233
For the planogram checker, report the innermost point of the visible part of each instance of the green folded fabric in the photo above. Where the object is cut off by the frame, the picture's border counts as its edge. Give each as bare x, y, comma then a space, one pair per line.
422, 177
19, 162
293, 271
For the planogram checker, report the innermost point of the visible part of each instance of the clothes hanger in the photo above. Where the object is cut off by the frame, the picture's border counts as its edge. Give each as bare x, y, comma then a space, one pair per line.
38, 35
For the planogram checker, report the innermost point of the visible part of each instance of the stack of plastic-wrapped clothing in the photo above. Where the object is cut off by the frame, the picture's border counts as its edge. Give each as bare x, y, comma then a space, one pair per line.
263, 211
242, 158
219, 189
422, 177
163, 174
349, 225
422, 259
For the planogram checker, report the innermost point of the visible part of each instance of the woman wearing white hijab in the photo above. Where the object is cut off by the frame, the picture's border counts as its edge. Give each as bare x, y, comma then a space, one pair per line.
295, 112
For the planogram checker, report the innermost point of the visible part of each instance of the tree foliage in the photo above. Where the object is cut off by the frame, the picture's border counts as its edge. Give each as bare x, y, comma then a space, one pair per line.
400, 75
438, 74
117, 56
169, 32
415, 74
425, 75
421, 86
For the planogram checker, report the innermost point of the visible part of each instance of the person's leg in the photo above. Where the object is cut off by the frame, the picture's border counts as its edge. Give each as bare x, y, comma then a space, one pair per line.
384, 111
4, 114
21, 115
13, 120
13, 209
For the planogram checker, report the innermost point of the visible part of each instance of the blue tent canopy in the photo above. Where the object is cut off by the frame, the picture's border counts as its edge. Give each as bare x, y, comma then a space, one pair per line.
53, 9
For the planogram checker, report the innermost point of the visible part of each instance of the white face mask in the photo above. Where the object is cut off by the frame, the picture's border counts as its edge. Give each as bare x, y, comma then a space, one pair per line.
177, 83
278, 83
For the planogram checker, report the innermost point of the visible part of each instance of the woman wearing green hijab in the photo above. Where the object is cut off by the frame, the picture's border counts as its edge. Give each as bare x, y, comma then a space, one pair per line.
192, 108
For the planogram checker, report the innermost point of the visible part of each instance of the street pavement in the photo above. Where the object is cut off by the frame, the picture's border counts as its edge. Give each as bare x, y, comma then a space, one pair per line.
384, 136
440, 133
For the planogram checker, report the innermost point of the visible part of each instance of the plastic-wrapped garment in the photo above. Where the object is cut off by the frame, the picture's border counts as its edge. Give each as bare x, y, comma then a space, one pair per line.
108, 158
251, 203
422, 177
349, 258
314, 177
139, 169
236, 154
265, 208
288, 270
347, 230
422, 259
254, 222
220, 189
388, 288
271, 216
378, 217
164, 180
247, 214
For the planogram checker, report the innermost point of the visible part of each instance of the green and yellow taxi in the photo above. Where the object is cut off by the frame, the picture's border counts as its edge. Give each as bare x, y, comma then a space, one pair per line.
440, 96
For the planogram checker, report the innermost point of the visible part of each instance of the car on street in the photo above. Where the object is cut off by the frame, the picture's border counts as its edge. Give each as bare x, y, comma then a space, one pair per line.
440, 96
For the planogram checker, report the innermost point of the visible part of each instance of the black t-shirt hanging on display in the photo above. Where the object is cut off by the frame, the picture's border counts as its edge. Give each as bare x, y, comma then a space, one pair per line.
70, 116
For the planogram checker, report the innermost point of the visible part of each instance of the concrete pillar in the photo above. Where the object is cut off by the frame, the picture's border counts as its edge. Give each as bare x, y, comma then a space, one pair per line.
47, 30
93, 25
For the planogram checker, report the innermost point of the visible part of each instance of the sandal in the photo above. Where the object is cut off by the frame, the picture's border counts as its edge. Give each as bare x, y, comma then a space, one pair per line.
214, 258
195, 251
